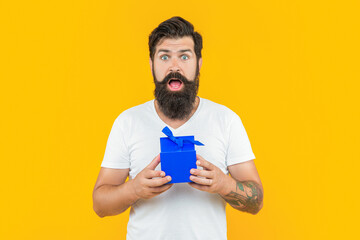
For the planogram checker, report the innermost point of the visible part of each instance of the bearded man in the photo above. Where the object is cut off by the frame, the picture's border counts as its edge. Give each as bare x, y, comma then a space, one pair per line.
226, 171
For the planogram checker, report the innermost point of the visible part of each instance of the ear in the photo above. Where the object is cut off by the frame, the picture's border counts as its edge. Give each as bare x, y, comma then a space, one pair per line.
200, 63
151, 66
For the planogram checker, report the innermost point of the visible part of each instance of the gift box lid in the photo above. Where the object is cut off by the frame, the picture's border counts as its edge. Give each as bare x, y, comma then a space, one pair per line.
167, 145
177, 144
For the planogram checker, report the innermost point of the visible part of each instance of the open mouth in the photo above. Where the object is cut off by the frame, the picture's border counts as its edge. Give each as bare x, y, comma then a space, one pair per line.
175, 84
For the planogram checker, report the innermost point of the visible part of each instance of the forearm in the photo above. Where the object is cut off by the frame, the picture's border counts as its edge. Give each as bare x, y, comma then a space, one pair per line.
246, 196
110, 200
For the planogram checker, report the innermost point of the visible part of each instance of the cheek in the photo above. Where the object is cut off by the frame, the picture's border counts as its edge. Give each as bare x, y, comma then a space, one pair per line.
191, 73
159, 72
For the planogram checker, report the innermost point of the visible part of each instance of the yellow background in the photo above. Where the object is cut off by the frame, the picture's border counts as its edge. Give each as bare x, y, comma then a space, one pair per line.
290, 69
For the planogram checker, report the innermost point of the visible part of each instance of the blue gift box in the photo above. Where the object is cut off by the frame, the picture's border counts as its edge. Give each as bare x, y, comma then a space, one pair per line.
178, 156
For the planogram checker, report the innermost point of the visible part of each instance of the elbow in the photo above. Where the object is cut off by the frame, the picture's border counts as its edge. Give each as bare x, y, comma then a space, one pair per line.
103, 214
98, 211
257, 210
97, 206
102, 211
100, 214
255, 207
261, 203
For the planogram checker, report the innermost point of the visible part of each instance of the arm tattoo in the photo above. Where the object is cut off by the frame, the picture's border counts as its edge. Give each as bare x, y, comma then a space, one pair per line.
247, 197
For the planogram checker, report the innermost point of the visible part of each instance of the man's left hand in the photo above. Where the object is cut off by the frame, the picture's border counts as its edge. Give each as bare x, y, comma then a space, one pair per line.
211, 179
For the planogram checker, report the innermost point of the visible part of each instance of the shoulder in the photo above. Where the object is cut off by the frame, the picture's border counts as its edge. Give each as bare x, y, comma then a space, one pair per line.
213, 108
135, 113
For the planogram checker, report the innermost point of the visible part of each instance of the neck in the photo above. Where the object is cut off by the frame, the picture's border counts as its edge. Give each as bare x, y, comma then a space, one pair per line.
176, 123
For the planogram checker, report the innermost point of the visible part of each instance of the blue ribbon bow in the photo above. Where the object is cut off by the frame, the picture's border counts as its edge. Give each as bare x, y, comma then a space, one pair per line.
178, 141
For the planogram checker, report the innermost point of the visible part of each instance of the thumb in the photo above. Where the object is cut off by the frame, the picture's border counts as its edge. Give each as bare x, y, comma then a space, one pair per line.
154, 163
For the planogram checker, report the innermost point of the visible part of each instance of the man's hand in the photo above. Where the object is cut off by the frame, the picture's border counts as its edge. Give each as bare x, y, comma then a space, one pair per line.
211, 179
149, 182
245, 195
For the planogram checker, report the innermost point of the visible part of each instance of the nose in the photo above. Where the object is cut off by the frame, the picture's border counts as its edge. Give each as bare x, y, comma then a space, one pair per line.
174, 65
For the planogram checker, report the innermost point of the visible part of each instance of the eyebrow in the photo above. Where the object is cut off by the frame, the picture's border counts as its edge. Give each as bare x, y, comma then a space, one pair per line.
182, 50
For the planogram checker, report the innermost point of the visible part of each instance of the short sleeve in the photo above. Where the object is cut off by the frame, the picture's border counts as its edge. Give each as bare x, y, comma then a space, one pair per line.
116, 152
239, 147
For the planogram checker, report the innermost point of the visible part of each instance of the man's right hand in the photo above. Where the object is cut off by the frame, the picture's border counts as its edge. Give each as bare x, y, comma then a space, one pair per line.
149, 182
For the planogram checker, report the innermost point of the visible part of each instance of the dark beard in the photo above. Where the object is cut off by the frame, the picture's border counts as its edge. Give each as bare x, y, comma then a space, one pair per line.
178, 104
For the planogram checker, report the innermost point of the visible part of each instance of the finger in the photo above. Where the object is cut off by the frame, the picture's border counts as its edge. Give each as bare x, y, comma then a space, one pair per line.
203, 163
201, 181
199, 187
202, 173
157, 182
170, 185
162, 188
153, 173
154, 163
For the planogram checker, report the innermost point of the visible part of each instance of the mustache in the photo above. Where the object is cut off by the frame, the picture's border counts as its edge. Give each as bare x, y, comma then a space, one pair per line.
174, 75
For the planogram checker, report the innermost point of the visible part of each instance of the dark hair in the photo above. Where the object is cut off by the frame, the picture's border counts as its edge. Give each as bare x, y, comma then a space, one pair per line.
175, 27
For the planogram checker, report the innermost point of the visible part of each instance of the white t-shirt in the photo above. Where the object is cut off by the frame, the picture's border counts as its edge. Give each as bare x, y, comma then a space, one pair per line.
182, 212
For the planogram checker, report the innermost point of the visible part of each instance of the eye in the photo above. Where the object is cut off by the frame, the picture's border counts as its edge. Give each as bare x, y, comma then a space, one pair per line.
164, 57
184, 57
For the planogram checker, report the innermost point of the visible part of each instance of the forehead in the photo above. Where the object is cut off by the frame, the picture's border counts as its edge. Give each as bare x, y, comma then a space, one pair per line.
174, 44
